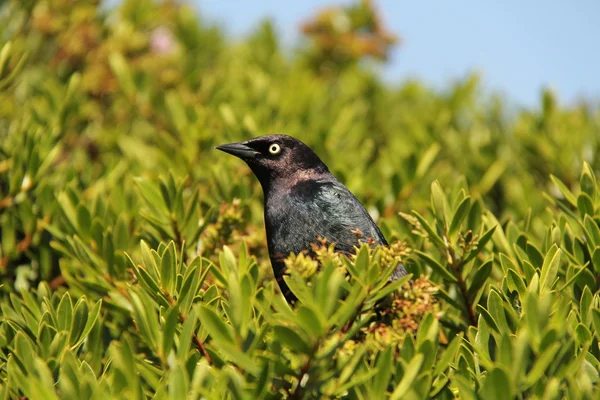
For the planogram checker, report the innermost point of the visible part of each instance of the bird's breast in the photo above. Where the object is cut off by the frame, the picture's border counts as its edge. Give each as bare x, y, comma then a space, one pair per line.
291, 226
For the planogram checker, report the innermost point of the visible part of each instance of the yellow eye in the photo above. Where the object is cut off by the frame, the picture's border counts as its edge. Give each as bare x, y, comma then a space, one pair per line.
274, 148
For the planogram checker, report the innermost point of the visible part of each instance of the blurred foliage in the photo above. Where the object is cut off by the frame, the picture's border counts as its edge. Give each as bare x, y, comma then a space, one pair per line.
132, 256
346, 35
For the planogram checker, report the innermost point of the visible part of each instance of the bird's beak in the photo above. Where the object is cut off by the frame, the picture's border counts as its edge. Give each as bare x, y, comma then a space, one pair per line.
239, 150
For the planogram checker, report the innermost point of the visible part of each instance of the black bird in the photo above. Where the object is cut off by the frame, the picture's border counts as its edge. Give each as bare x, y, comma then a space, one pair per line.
303, 202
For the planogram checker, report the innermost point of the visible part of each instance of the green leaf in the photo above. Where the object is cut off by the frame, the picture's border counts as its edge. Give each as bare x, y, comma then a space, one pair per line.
145, 317
410, 373
6, 80
348, 369
515, 282
348, 308
390, 288
188, 331
356, 381
464, 386
168, 331
69, 210
496, 310
474, 218
4, 56
149, 262
148, 283
291, 339
80, 317
178, 383
65, 313
192, 282
583, 334
537, 372
427, 159
152, 198
23, 348
588, 181
479, 280
361, 262
596, 322
92, 317
568, 195
120, 68
488, 318
109, 253
483, 240
534, 255
550, 267
227, 114
437, 267
240, 358
592, 231
84, 220
166, 194
384, 370
491, 176
311, 321
227, 261
448, 355
439, 203
218, 330
460, 214
433, 236
263, 381
585, 205
497, 385
596, 259
444, 295
168, 268
552, 390
575, 276
123, 362
585, 305
531, 314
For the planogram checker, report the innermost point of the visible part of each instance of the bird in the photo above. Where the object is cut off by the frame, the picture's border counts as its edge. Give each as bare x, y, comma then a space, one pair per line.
304, 202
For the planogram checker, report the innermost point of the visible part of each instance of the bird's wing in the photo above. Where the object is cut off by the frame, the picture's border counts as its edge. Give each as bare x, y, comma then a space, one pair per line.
346, 221
352, 223
322, 209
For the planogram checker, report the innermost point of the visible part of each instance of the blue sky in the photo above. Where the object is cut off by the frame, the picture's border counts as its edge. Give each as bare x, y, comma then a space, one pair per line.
519, 47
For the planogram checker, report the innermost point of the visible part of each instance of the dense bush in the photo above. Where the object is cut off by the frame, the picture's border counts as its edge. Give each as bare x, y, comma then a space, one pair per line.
133, 260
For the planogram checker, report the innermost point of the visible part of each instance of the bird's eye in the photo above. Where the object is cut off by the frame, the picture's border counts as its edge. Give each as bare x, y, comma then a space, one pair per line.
274, 148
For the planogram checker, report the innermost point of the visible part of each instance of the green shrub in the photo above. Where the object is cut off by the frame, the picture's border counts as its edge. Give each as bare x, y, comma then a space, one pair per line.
133, 260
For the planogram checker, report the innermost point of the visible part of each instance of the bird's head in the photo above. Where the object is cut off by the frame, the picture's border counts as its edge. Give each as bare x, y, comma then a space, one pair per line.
273, 157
